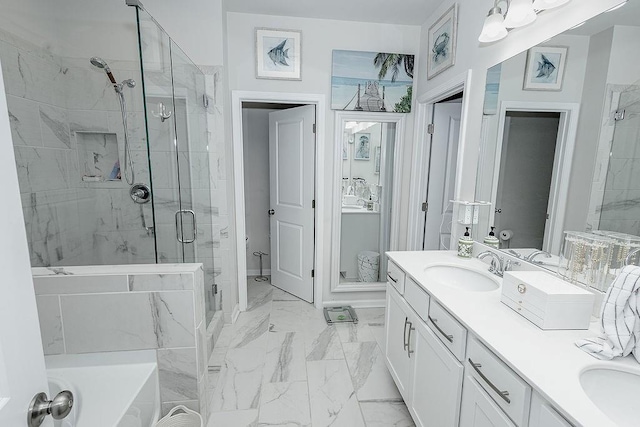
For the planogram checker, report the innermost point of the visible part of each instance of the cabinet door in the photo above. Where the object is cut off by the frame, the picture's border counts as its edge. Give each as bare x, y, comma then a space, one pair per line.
543, 414
478, 409
437, 381
398, 324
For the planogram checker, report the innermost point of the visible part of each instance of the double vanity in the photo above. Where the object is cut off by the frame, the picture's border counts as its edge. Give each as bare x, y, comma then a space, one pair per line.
460, 357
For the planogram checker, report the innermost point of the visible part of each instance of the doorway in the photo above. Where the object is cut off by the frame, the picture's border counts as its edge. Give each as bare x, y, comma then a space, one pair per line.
279, 158
284, 224
443, 156
526, 168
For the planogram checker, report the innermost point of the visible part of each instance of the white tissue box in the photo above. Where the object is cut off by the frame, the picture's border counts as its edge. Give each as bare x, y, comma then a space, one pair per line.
547, 301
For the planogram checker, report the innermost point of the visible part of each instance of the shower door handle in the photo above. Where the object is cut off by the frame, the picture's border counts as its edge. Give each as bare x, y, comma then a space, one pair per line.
179, 230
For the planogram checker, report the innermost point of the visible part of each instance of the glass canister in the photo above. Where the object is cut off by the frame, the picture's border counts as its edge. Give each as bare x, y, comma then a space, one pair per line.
623, 245
585, 259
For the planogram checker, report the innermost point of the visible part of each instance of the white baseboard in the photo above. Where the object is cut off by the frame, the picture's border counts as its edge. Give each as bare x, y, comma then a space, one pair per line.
266, 272
235, 313
372, 303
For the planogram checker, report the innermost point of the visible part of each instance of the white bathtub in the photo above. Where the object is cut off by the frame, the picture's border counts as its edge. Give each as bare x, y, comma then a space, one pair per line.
118, 389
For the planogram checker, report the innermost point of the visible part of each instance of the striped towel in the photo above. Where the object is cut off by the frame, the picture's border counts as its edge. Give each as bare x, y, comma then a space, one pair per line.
620, 321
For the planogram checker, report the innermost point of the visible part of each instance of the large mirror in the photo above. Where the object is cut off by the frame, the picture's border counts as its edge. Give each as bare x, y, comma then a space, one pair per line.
366, 149
561, 139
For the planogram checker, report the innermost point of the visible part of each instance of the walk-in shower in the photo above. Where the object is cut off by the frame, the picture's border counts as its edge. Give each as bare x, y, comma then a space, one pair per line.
71, 136
129, 173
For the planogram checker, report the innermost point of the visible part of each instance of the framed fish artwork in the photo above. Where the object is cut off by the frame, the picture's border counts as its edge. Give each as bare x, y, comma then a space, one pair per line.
278, 54
545, 68
442, 43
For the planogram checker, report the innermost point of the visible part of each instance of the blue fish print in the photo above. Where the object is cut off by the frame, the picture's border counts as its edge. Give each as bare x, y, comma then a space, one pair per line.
545, 67
279, 54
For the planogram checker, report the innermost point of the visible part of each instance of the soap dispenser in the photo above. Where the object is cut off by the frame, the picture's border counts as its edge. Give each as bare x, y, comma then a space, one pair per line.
465, 245
492, 240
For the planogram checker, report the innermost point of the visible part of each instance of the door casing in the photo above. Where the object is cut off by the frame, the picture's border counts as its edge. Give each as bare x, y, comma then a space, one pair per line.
237, 216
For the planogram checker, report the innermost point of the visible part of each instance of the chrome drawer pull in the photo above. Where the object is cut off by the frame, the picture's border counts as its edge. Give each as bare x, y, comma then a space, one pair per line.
444, 334
406, 322
503, 394
392, 279
409, 351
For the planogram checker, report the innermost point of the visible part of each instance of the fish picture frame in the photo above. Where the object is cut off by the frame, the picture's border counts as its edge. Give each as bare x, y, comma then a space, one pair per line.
545, 68
278, 54
442, 40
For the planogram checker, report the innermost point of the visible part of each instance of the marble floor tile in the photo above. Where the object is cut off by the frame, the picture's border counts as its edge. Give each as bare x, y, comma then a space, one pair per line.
371, 316
370, 375
280, 295
354, 332
247, 418
285, 361
333, 400
251, 328
324, 344
285, 404
240, 381
386, 414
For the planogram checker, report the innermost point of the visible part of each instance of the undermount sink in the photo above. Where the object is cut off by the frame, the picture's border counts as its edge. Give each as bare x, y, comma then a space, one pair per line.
462, 278
615, 392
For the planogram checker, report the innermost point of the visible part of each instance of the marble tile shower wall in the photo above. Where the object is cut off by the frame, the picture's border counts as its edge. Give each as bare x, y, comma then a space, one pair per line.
120, 308
53, 103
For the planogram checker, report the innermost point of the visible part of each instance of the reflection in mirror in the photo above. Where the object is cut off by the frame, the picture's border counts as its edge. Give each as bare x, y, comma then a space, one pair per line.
547, 169
367, 173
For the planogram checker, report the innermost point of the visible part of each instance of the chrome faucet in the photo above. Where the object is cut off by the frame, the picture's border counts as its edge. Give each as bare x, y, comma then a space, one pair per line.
497, 266
534, 254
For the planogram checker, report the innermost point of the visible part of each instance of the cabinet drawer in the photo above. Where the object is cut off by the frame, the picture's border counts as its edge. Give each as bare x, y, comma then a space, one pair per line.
417, 298
452, 334
395, 277
508, 390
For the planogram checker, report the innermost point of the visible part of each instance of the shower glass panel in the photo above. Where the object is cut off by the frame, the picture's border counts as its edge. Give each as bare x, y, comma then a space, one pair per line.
66, 68
620, 210
176, 119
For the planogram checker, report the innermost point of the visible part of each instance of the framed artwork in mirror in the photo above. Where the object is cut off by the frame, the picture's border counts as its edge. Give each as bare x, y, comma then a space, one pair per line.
278, 54
363, 146
545, 68
442, 43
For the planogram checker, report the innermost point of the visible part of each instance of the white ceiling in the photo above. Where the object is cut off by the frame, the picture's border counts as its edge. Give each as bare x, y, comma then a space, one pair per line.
408, 12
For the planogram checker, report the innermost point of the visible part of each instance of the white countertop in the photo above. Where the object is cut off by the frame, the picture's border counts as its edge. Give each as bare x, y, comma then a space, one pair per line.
548, 360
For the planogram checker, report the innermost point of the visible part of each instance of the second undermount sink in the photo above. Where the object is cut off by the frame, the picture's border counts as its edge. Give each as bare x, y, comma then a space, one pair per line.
615, 392
462, 278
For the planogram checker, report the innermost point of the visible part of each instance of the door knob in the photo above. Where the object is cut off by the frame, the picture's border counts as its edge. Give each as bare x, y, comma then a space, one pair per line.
271, 212
41, 406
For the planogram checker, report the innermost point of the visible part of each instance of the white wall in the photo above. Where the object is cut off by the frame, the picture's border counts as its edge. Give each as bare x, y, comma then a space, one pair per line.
319, 38
624, 65
255, 132
470, 55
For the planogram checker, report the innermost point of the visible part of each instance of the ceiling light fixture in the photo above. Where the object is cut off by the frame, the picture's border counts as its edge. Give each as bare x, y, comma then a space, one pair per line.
548, 4
520, 13
494, 28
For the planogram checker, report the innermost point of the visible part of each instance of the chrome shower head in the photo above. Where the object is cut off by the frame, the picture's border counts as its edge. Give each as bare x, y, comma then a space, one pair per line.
100, 63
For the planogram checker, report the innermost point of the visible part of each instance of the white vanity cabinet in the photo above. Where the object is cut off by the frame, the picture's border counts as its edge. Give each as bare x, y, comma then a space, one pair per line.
544, 415
479, 409
426, 373
399, 324
437, 381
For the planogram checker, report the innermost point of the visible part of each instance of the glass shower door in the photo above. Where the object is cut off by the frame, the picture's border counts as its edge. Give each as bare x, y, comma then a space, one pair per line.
178, 140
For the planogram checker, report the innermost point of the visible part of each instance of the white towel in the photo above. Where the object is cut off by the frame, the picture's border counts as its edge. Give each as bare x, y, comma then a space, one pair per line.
620, 321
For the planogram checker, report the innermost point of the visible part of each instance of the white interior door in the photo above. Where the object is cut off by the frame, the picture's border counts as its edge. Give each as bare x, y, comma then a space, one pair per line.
292, 173
22, 370
442, 173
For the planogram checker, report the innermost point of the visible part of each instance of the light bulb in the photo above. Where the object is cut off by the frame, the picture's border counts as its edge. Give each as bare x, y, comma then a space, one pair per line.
493, 29
520, 13
548, 4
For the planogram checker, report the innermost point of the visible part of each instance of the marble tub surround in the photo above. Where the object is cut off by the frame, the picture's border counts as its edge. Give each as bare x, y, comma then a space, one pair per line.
92, 309
553, 372
281, 364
